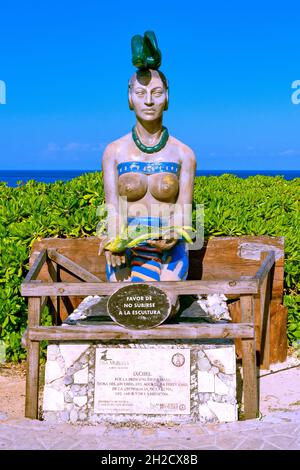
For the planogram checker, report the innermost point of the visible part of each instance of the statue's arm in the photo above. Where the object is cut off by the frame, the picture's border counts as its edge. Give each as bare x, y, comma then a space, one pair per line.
110, 178
110, 181
187, 177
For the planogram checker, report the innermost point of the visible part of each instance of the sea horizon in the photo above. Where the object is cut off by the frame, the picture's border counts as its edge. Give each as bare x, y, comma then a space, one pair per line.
12, 177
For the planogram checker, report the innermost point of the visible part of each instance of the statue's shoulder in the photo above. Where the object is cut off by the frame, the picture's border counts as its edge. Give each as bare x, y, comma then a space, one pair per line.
184, 150
117, 147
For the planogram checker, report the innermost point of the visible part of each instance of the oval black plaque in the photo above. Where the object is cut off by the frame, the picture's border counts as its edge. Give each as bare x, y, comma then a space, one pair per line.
139, 306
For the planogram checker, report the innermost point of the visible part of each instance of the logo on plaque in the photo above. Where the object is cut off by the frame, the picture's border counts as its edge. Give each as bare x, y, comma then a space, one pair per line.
178, 360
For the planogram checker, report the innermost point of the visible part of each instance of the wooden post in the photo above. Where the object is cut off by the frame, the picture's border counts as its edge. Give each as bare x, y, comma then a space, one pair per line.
33, 361
54, 301
250, 382
265, 293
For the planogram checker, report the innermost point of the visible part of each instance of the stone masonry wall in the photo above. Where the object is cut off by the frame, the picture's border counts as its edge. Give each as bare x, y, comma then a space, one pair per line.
70, 383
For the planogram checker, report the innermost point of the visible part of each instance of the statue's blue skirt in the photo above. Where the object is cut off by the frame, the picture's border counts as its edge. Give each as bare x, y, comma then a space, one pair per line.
147, 263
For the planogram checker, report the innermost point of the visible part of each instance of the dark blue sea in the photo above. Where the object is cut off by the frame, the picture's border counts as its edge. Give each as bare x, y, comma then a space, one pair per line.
11, 177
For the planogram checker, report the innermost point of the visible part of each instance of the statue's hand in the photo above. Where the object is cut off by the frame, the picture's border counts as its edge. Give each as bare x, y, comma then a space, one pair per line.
163, 244
114, 259
103, 240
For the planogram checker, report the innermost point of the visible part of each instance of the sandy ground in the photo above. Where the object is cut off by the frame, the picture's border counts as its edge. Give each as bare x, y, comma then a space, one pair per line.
279, 388
12, 389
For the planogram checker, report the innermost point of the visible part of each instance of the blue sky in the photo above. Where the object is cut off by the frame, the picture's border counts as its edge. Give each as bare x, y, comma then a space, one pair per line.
230, 66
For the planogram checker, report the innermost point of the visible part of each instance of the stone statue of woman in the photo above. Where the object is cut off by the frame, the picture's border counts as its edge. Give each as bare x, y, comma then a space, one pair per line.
154, 172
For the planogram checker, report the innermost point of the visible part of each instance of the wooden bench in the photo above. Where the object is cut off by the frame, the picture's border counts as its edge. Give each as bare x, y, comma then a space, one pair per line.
248, 270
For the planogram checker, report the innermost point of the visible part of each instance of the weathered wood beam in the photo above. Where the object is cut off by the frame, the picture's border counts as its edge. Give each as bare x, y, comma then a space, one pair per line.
36, 267
71, 266
33, 361
112, 331
265, 304
250, 382
44, 301
265, 267
54, 300
249, 286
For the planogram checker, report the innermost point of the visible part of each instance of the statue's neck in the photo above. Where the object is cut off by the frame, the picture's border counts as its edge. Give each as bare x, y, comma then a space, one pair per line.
149, 132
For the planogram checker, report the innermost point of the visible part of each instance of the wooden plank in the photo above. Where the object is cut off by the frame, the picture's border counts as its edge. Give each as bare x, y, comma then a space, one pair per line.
36, 267
216, 271
71, 266
224, 251
52, 273
265, 299
107, 288
265, 324
218, 249
267, 264
250, 382
44, 301
278, 336
112, 331
278, 321
33, 361
253, 249
219, 258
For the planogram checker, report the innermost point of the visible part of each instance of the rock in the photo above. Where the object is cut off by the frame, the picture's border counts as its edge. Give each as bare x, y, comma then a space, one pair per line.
53, 371
194, 311
206, 415
225, 412
73, 416
84, 360
228, 379
204, 364
223, 358
64, 416
220, 387
206, 382
91, 306
81, 377
52, 351
82, 416
201, 397
71, 352
80, 400
50, 417
69, 397
53, 399
214, 306
68, 380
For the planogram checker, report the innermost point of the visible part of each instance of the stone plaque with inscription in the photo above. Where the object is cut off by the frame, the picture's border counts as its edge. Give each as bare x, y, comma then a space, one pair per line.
139, 306
142, 381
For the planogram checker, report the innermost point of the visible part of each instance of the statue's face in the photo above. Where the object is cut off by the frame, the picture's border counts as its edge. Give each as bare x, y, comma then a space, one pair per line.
148, 96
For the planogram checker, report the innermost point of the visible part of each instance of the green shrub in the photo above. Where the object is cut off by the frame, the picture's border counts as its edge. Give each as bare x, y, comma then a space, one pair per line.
257, 205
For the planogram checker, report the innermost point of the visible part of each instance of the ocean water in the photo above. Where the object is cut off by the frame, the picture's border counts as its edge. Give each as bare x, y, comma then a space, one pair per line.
11, 177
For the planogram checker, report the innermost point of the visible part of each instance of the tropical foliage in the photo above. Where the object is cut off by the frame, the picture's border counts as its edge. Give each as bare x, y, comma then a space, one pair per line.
258, 205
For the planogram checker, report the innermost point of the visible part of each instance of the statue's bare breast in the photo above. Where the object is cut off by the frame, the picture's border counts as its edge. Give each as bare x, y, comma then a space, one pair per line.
162, 187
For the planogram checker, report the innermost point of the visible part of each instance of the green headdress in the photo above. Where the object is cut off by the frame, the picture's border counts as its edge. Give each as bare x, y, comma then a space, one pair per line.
145, 52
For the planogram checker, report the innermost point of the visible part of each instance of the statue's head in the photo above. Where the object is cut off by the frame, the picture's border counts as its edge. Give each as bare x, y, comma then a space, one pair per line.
148, 87
148, 94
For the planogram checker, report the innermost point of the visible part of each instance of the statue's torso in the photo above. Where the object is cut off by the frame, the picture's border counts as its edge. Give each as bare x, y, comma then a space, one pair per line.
147, 189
